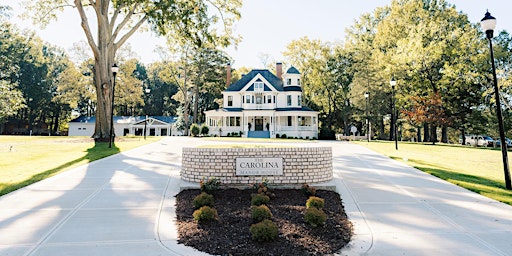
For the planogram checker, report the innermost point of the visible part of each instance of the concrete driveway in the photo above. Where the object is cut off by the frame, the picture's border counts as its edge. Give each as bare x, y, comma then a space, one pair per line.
124, 205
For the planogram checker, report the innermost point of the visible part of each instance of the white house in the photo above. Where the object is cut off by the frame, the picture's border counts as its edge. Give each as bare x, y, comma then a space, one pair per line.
124, 125
264, 105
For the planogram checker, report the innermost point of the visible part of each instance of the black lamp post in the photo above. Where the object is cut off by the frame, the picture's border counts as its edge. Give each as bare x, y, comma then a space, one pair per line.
367, 96
393, 116
114, 70
488, 25
146, 120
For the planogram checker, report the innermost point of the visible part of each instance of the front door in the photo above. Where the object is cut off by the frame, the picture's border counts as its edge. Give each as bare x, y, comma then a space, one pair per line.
258, 124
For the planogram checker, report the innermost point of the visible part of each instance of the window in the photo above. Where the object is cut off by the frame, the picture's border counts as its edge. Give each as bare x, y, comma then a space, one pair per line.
258, 86
299, 100
298, 81
234, 121
289, 100
269, 98
289, 121
230, 101
259, 99
247, 98
289, 81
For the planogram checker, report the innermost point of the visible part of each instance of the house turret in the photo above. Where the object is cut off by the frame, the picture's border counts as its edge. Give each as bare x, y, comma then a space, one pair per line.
291, 80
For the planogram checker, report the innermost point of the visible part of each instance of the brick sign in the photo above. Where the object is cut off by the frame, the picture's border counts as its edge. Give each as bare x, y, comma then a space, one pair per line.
259, 166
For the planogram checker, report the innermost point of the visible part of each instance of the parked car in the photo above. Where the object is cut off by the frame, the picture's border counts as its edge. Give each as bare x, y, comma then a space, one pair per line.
507, 140
478, 141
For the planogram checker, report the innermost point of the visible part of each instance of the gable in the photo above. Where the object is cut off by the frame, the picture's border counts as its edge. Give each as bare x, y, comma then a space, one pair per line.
267, 86
269, 79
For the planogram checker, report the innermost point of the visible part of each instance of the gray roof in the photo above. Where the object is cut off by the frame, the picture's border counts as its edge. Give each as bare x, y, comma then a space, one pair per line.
303, 108
136, 119
292, 70
271, 78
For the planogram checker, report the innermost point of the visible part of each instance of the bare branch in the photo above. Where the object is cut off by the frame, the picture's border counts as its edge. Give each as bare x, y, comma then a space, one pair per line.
86, 28
123, 23
130, 33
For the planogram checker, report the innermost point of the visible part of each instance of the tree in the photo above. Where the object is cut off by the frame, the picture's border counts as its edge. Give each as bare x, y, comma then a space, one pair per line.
118, 20
11, 100
427, 110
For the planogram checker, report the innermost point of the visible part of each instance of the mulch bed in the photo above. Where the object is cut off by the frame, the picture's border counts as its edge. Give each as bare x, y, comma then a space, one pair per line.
231, 235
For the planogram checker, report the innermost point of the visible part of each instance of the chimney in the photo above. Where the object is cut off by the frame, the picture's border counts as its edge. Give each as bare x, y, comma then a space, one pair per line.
279, 70
228, 75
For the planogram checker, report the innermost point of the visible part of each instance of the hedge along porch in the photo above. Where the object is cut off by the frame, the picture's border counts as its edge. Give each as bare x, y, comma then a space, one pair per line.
299, 165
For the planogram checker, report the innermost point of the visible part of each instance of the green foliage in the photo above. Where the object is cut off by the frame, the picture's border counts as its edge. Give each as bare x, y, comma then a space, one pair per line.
204, 214
315, 217
210, 185
259, 199
203, 199
11, 99
194, 130
259, 213
315, 202
264, 231
308, 191
204, 129
283, 136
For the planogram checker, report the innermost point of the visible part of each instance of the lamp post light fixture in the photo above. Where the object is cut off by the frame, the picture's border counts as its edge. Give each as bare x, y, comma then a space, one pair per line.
114, 70
392, 82
146, 120
368, 132
488, 24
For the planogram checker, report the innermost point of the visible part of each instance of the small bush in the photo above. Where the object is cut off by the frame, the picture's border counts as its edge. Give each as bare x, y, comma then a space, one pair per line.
283, 136
315, 217
203, 199
264, 231
204, 130
259, 199
315, 202
210, 186
308, 191
205, 213
259, 213
277, 135
194, 130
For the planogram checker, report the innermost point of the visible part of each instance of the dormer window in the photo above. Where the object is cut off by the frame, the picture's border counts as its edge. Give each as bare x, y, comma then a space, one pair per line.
289, 81
230, 101
247, 98
258, 86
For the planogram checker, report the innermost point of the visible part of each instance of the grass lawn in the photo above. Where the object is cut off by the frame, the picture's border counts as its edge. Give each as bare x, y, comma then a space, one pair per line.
28, 159
477, 169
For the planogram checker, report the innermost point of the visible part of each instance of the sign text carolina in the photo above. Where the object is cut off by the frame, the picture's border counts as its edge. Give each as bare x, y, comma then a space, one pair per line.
259, 166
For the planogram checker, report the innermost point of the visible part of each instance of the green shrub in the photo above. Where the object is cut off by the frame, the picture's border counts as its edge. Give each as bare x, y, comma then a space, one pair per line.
259, 199
259, 213
283, 136
315, 217
205, 213
203, 199
277, 135
308, 191
264, 231
194, 130
315, 202
204, 130
210, 186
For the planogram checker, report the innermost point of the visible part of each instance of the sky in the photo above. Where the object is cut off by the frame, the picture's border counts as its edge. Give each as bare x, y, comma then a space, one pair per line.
268, 26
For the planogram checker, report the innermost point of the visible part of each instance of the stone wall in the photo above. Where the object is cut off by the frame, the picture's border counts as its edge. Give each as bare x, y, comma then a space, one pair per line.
300, 165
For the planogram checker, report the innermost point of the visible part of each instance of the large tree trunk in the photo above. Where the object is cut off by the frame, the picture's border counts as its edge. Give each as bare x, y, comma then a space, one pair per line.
444, 134
418, 134
433, 134
426, 133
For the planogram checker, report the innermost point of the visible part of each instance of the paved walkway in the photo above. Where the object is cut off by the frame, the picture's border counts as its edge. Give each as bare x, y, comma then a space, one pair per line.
124, 205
